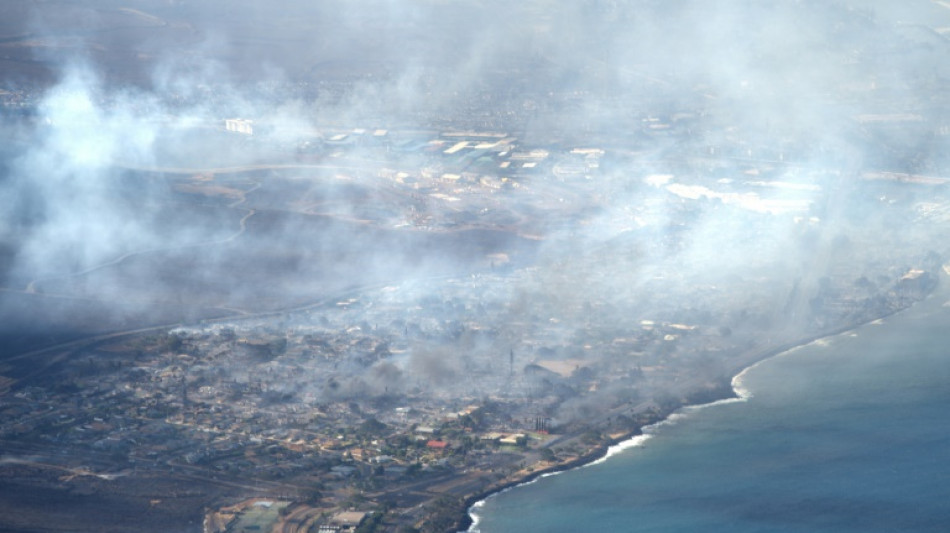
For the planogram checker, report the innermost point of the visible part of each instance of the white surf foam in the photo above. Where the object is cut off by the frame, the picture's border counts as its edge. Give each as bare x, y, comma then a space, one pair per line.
632, 442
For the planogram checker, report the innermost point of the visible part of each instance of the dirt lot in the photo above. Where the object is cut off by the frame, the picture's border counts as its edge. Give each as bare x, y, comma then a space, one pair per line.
42, 499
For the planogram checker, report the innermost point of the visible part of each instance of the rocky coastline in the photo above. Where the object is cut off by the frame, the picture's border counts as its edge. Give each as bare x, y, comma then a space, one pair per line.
602, 449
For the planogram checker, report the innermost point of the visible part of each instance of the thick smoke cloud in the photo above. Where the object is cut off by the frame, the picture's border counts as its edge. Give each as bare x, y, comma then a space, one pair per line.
65, 178
99, 201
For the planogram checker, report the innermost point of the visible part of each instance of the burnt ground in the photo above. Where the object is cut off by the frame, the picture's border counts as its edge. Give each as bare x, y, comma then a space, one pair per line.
205, 257
283, 259
272, 268
38, 499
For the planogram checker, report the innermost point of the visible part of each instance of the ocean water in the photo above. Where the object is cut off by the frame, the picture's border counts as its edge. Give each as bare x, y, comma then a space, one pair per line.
850, 433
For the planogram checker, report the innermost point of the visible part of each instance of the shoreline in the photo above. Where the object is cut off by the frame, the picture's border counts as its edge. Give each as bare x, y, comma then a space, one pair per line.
628, 439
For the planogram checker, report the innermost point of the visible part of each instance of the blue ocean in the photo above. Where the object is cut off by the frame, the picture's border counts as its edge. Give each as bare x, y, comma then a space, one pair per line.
849, 433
